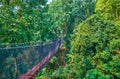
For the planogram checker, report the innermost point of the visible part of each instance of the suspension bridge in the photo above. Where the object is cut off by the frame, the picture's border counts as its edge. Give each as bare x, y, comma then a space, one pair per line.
24, 61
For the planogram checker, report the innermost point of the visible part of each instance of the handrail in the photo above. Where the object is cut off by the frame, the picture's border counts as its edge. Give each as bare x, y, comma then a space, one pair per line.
19, 60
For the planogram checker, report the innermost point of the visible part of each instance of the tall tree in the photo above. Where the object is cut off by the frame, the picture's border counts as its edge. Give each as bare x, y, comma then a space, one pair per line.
66, 14
22, 21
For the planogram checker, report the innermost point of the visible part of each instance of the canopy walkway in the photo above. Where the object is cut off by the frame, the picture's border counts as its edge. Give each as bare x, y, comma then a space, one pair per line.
23, 61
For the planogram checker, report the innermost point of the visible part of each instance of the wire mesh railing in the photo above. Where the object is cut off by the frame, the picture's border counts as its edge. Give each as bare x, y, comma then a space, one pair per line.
19, 59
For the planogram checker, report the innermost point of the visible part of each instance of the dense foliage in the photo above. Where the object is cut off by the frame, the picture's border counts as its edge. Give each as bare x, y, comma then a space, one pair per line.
66, 14
25, 21
91, 28
109, 8
95, 45
94, 51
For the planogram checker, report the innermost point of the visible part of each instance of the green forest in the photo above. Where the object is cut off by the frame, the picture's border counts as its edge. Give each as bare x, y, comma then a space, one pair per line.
91, 28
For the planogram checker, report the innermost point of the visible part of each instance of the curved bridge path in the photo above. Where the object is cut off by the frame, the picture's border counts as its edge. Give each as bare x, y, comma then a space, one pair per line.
24, 61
